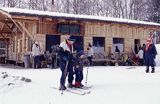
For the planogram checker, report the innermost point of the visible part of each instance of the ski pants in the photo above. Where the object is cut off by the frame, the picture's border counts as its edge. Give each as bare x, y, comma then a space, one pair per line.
90, 60
65, 72
79, 75
36, 61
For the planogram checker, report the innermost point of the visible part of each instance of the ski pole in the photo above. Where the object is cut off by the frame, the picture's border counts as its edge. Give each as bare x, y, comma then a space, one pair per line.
87, 75
65, 74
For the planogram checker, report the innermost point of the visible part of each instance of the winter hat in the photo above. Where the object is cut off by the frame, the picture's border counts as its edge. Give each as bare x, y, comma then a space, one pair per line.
71, 38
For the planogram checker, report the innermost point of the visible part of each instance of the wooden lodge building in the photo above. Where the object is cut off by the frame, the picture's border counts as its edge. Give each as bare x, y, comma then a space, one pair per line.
20, 27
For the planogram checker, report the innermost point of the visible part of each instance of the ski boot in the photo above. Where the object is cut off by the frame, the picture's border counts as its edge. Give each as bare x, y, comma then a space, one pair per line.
153, 70
70, 85
81, 84
62, 87
78, 85
147, 70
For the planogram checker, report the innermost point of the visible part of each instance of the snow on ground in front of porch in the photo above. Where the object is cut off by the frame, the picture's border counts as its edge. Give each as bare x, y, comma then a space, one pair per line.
111, 85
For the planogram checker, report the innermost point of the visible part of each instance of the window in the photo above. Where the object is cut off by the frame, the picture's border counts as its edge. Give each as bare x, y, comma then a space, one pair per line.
2, 47
119, 42
98, 41
69, 28
62, 28
98, 44
74, 29
51, 40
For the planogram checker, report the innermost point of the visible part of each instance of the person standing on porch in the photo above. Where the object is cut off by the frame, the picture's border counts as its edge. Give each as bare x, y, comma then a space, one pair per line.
90, 53
140, 56
150, 55
36, 55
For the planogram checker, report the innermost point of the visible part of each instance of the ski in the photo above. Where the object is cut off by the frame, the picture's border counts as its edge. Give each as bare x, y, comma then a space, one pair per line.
74, 91
131, 67
86, 87
86, 91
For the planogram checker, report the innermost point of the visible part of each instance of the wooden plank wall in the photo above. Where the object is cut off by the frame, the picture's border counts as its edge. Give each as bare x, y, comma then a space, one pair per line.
39, 29
111, 30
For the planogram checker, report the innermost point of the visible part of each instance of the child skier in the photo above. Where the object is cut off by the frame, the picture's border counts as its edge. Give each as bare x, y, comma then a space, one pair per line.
78, 67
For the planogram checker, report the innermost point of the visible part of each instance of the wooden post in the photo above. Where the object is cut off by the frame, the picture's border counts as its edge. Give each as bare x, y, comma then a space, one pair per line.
16, 42
23, 41
25, 30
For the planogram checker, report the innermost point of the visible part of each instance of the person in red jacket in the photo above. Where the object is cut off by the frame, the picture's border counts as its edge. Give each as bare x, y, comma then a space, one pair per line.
150, 54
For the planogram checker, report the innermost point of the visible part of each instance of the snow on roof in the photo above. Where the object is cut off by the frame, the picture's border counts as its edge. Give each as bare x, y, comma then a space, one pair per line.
19, 11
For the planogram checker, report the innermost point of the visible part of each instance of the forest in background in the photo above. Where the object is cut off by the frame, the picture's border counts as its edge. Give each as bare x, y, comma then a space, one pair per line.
147, 10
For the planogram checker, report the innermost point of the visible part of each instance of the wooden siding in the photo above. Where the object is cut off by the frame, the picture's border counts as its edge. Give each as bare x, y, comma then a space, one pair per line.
39, 27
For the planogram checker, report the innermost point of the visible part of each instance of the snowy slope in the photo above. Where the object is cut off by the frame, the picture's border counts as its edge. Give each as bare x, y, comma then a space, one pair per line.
111, 85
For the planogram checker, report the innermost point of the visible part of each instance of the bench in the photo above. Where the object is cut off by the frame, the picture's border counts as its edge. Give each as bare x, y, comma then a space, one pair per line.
100, 59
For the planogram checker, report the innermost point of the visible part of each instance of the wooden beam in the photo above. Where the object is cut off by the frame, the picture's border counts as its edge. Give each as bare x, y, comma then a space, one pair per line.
6, 21
4, 37
6, 32
2, 26
23, 41
25, 18
5, 14
24, 28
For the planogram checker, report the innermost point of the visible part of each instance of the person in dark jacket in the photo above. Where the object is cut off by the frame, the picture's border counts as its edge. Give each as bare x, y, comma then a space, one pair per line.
117, 49
150, 54
144, 47
78, 67
66, 63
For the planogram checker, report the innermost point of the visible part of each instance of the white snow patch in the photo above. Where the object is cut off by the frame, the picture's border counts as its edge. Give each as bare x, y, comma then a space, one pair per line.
111, 85
157, 60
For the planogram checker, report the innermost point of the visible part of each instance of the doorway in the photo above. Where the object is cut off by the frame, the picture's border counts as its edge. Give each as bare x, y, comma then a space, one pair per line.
119, 43
52, 40
136, 45
78, 45
99, 44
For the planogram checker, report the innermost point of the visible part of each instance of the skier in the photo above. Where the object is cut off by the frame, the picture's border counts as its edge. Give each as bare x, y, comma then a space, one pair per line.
90, 53
78, 67
140, 56
65, 61
36, 54
150, 54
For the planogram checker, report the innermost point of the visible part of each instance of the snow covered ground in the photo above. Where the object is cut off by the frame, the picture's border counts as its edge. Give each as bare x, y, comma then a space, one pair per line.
111, 85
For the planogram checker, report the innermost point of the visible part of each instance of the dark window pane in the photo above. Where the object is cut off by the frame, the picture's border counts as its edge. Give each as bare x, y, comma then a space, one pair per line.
98, 41
62, 28
69, 29
74, 29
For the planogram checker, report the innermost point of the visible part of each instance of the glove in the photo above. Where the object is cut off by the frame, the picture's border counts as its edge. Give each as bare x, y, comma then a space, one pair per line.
154, 56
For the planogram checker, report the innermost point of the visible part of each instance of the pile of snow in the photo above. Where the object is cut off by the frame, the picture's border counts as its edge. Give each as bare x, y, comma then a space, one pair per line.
157, 60
110, 85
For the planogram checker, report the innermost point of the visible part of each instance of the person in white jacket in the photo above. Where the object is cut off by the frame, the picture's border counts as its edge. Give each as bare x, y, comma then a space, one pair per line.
90, 53
140, 56
36, 54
